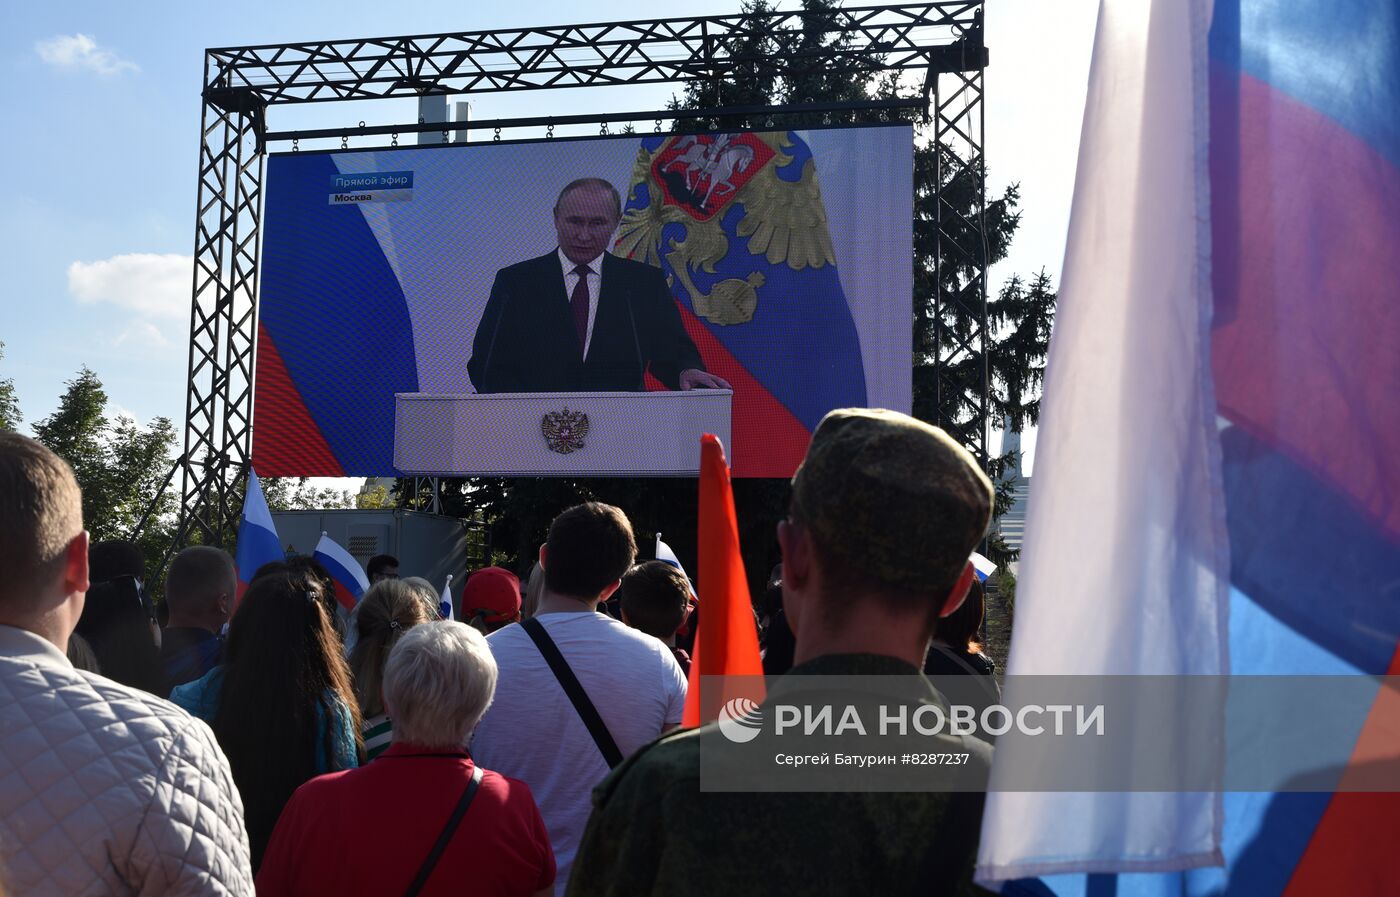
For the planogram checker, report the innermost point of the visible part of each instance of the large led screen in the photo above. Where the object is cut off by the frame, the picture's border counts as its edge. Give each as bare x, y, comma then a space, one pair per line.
779, 262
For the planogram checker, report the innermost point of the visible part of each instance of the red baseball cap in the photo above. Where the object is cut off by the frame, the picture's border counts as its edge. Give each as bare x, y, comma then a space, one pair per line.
494, 593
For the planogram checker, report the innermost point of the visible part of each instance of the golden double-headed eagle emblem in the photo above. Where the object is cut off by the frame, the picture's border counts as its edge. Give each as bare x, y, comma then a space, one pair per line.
692, 180
564, 431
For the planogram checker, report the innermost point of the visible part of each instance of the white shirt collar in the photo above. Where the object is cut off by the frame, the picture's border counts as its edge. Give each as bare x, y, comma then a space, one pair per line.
596, 266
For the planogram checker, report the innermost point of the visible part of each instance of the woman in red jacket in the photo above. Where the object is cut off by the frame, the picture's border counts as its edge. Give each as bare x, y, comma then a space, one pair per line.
422, 818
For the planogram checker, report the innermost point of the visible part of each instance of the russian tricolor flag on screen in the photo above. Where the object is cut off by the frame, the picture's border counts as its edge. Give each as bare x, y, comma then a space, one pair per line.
350, 580
1217, 483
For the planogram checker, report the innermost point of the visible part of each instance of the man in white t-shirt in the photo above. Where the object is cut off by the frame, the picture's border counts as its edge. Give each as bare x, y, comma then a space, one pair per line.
533, 731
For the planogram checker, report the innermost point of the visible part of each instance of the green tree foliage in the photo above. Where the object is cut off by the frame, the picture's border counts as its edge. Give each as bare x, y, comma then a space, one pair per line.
299, 494
9, 402
119, 465
375, 498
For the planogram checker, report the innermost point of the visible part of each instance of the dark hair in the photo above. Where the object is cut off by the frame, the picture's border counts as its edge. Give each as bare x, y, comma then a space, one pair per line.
389, 609
113, 558
117, 622
285, 684
589, 547
271, 568
959, 629
309, 569
377, 564
81, 656
595, 183
654, 596
196, 577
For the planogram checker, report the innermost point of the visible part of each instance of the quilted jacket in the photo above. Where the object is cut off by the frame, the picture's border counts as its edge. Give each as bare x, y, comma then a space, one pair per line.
105, 789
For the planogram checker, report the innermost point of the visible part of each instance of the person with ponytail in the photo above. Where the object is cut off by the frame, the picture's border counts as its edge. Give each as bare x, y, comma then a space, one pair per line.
389, 609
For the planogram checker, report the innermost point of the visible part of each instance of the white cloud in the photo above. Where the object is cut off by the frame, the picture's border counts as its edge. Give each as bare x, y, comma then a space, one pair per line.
141, 335
116, 413
147, 283
79, 51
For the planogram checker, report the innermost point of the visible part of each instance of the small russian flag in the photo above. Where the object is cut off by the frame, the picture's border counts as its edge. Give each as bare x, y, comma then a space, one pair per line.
445, 601
257, 537
667, 556
350, 580
982, 567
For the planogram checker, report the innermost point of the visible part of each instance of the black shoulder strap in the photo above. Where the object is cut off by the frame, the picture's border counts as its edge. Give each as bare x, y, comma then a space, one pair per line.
985, 681
586, 711
446, 837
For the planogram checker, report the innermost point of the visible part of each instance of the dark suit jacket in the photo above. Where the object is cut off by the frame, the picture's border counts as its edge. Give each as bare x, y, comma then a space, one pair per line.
526, 341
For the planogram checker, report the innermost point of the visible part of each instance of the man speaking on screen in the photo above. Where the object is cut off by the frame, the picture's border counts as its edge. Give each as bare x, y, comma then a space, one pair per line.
579, 319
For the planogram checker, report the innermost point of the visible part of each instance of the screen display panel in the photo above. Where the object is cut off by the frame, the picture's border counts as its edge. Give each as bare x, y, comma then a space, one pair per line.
778, 262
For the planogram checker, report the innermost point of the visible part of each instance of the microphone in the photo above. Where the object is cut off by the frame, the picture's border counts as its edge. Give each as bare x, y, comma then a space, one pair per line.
637, 346
491, 346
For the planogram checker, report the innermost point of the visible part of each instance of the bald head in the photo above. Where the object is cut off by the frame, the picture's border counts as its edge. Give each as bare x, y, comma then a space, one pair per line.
200, 587
43, 549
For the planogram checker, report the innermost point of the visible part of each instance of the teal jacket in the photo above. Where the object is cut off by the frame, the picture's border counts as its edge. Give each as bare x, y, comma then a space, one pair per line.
200, 698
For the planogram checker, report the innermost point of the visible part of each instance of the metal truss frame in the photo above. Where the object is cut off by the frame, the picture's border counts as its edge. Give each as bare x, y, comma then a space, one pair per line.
962, 374
932, 40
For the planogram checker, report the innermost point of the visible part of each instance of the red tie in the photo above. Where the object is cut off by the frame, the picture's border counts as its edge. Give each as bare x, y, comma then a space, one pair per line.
578, 304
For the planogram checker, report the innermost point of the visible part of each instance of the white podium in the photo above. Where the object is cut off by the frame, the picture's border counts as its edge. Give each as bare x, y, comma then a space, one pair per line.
557, 433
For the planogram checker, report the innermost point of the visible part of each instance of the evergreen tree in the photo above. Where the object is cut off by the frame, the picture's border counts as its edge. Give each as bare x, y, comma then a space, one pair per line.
77, 432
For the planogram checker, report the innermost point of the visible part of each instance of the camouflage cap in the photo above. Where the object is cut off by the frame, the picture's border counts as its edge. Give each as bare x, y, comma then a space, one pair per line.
892, 498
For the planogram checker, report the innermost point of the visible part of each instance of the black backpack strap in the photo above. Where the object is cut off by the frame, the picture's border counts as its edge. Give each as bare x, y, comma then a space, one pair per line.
586, 711
447, 832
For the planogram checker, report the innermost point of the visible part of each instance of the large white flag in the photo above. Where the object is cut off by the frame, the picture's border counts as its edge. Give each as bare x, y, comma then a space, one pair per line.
1125, 568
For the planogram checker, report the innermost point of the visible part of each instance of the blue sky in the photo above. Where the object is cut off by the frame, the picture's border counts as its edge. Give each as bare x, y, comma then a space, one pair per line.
101, 103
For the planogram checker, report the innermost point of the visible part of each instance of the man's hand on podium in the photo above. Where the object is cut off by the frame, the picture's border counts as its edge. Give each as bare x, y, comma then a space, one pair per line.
694, 378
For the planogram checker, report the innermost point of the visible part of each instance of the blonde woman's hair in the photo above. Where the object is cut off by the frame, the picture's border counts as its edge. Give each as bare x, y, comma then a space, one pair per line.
389, 609
439, 681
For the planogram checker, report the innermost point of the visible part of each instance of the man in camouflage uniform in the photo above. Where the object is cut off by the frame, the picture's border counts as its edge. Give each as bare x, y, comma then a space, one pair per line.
885, 512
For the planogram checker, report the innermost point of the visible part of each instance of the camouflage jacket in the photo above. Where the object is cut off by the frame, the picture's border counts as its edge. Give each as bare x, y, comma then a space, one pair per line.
654, 832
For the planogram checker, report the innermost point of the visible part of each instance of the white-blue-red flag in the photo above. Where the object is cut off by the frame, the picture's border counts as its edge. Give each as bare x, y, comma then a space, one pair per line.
257, 537
982, 566
445, 601
1219, 430
350, 580
667, 556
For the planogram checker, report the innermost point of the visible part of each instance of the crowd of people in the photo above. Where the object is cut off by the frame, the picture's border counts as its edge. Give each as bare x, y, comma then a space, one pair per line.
270, 742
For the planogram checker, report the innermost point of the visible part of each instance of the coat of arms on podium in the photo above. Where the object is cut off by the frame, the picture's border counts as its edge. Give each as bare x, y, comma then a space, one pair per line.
564, 430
